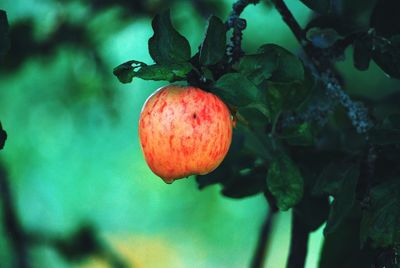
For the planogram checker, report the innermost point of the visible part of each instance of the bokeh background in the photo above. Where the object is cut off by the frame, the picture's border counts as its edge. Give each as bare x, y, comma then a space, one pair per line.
73, 158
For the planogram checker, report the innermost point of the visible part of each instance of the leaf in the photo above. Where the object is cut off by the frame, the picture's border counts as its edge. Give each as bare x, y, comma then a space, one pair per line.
274, 63
285, 96
343, 199
285, 182
4, 34
125, 71
241, 173
168, 72
312, 211
213, 48
322, 37
330, 181
236, 90
3, 136
300, 135
381, 221
167, 46
255, 114
384, 136
342, 248
279, 75
385, 18
362, 53
247, 182
387, 55
320, 6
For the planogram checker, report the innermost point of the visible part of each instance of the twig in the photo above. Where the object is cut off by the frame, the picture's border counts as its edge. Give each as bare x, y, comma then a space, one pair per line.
263, 242
12, 225
234, 50
298, 243
322, 68
3, 137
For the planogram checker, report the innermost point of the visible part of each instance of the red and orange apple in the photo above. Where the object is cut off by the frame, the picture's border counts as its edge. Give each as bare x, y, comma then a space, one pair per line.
184, 131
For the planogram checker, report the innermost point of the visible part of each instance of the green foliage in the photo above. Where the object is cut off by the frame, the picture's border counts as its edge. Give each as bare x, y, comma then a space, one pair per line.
304, 163
320, 6
322, 38
167, 46
387, 55
213, 48
362, 53
167, 72
242, 172
385, 18
285, 182
236, 89
301, 135
381, 221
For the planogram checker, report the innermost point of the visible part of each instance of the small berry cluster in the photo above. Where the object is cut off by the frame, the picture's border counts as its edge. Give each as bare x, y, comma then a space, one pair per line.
234, 50
356, 111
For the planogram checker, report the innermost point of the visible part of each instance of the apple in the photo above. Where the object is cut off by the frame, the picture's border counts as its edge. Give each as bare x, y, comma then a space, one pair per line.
184, 131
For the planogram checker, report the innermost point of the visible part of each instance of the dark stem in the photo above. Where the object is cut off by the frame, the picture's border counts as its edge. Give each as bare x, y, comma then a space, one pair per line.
298, 243
290, 21
3, 137
263, 242
12, 224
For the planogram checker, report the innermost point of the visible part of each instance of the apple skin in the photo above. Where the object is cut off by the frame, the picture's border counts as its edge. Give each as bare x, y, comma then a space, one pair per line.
184, 131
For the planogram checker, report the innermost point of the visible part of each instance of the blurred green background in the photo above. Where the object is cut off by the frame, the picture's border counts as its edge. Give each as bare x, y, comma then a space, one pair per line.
73, 156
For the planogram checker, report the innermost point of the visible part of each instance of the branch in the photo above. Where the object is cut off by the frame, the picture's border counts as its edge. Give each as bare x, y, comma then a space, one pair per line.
298, 243
12, 225
290, 21
322, 68
3, 137
234, 50
263, 242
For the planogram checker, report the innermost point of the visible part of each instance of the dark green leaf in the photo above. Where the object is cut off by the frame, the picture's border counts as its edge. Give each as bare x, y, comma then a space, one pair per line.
312, 211
167, 72
125, 72
258, 143
236, 89
167, 46
247, 182
241, 173
343, 199
4, 38
3, 137
385, 18
285, 182
255, 115
274, 63
381, 221
385, 136
285, 96
322, 38
362, 53
213, 48
387, 55
300, 135
331, 178
320, 6
342, 248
